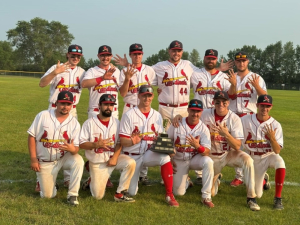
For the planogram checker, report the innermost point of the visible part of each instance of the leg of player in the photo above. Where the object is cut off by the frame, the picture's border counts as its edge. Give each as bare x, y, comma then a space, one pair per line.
127, 167
198, 180
180, 178
99, 173
238, 180
133, 187
152, 159
205, 163
143, 176
47, 179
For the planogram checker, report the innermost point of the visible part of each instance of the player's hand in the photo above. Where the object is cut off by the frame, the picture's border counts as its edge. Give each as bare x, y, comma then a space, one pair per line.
35, 165
159, 91
129, 72
254, 80
112, 161
231, 77
268, 130
226, 66
136, 138
108, 74
174, 165
70, 147
121, 61
102, 143
60, 68
176, 121
194, 142
221, 128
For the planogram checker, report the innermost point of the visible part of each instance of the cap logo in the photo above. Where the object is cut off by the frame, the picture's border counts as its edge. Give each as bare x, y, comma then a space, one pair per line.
76, 47
240, 53
196, 102
109, 96
177, 44
221, 94
212, 52
136, 46
67, 97
105, 49
266, 99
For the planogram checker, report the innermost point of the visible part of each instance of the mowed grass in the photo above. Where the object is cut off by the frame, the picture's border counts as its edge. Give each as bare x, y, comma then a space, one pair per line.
21, 99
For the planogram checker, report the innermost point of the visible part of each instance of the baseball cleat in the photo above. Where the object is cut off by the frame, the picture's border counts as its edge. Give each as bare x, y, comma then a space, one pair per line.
144, 181
162, 182
86, 184
267, 185
252, 204
37, 187
109, 184
66, 184
236, 183
123, 197
170, 199
72, 200
198, 181
207, 202
189, 182
278, 204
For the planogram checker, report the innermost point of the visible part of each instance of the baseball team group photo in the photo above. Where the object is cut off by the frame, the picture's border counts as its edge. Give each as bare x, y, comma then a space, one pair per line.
182, 124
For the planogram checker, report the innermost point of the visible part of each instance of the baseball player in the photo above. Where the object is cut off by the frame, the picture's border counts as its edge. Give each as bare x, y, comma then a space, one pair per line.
65, 77
206, 82
263, 141
99, 138
102, 79
192, 146
138, 128
248, 87
53, 143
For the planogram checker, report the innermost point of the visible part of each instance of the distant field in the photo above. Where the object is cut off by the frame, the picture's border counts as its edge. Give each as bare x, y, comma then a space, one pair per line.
21, 99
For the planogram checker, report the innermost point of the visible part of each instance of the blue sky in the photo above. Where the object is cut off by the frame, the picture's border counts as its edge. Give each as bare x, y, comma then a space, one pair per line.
222, 25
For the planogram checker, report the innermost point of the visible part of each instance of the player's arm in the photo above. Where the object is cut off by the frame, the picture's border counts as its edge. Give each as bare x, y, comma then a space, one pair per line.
113, 160
195, 142
128, 141
108, 75
233, 84
34, 163
128, 74
255, 82
101, 143
45, 80
271, 134
69, 147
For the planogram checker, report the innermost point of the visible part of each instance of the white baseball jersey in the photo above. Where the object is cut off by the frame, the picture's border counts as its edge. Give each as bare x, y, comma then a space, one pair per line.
255, 139
184, 151
135, 121
105, 87
66, 81
246, 98
174, 81
205, 87
49, 134
90, 132
144, 77
233, 122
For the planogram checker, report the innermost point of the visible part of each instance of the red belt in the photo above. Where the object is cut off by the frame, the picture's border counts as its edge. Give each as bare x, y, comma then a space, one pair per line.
54, 106
260, 153
218, 153
175, 106
129, 105
244, 114
127, 153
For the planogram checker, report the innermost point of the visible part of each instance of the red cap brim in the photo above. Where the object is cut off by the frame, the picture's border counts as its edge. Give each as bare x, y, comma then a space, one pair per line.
75, 53
109, 102
146, 93
137, 52
211, 56
176, 48
195, 108
105, 53
65, 101
264, 103
244, 59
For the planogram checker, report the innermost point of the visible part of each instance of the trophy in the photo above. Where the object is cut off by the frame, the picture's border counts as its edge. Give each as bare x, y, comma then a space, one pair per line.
163, 144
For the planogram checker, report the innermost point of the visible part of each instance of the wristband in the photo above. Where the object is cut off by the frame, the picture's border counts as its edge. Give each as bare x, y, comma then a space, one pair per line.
99, 80
201, 149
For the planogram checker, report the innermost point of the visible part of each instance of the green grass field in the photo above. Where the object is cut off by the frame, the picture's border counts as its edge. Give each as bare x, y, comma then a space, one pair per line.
21, 99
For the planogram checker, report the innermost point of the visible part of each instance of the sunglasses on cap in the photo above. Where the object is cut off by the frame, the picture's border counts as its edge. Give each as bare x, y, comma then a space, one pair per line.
76, 50
240, 56
145, 90
195, 105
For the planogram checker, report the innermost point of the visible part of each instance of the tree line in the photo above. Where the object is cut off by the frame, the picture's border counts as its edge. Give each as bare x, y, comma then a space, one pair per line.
38, 44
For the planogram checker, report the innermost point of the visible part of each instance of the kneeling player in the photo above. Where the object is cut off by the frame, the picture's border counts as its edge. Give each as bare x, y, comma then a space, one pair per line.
264, 141
53, 144
192, 144
138, 128
99, 138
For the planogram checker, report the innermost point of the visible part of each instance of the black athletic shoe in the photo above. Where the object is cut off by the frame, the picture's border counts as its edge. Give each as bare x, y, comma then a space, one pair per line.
278, 204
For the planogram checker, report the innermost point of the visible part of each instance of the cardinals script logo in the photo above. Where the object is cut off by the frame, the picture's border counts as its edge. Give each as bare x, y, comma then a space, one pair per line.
175, 81
54, 143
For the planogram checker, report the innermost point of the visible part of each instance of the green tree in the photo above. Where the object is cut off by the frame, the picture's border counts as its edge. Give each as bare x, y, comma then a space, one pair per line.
297, 59
6, 56
39, 43
194, 57
288, 63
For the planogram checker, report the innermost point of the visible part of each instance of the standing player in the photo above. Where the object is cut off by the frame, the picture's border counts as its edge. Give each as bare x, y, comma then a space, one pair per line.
192, 146
206, 82
248, 87
138, 128
264, 141
53, 142
102, 79
65, 77
131, 82
99, 138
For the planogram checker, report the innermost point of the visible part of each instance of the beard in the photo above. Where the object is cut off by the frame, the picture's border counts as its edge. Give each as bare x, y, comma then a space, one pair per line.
209, 66
106, 113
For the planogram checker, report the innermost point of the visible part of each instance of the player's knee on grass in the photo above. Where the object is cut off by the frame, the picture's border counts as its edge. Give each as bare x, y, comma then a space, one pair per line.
247, 160
48, 193
179, 191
